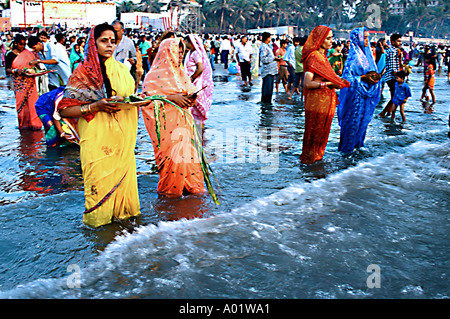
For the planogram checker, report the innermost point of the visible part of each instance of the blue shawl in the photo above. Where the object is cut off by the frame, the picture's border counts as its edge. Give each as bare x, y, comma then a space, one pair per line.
357, 103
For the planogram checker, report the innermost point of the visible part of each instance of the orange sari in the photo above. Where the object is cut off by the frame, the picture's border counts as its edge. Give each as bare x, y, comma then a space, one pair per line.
177, 159
320, 104
26, 93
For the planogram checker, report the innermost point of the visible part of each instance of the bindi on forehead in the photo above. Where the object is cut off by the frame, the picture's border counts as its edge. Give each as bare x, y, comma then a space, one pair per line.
111, 39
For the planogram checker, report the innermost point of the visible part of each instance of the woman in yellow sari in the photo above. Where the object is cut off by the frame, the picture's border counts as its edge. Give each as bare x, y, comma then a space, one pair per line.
107, 132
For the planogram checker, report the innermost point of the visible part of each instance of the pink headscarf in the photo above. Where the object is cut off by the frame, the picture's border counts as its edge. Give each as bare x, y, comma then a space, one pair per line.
204, 98
165, 76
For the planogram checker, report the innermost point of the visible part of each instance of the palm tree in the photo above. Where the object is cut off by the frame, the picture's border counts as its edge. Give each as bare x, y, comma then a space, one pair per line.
127, 6
262, 9
300, 11
150, 6
283, 9
222, 6
244, 10
416, 14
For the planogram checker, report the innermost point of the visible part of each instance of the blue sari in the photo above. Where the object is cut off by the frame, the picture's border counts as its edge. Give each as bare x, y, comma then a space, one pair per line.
357, 103
45, 108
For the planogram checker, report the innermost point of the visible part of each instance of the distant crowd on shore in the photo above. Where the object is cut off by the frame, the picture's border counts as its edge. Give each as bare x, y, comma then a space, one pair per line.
89, 87
220, 47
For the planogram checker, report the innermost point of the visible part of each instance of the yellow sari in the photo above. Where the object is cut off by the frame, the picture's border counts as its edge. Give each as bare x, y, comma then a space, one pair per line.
107, 141
107, 156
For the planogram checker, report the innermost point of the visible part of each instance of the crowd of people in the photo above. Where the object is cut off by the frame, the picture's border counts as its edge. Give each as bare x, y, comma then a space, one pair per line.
74, 83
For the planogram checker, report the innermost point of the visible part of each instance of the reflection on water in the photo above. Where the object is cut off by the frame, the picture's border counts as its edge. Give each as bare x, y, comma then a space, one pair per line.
392, 128
46, 170
187, 207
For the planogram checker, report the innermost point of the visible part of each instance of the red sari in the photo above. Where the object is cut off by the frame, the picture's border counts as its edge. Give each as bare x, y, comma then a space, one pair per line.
320, 104
26, 92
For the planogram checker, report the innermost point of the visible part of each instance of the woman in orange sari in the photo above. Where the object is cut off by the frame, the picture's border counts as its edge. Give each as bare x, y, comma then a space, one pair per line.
319, 91
25, 86
172, 129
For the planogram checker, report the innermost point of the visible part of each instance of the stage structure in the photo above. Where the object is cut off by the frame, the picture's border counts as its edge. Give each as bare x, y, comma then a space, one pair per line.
34, 13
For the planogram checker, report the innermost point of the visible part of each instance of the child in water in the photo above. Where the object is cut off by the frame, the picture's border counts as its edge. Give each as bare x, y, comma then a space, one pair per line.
408, 69
402, 93
233, 68
429, 83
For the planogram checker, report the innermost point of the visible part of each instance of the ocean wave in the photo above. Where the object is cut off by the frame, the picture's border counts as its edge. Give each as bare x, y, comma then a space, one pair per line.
274, 246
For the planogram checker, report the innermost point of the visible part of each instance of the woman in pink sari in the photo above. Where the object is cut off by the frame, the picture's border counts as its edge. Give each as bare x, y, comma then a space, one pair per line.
25, 86
182, 167
198, 67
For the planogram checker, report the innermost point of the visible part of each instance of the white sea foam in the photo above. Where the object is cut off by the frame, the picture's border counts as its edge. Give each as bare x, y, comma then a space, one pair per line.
289, 230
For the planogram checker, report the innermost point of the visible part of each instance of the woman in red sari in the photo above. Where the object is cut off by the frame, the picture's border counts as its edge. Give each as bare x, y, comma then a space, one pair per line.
25, 86
319, 91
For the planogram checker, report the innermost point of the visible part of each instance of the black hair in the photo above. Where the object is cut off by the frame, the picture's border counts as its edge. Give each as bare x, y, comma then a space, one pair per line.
17, 39
119, 22
33, 40
401, 74
303, 41
99, 29
188, 39
103, 27
395, 37
59, 37
336, 44
81, 40
265, 36
43, 34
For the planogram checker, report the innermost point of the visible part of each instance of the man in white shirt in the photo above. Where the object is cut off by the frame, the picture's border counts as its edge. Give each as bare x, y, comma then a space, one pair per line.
244, 56
289, 57
125, 50
45, 39
42, 81
225, 48
57, 59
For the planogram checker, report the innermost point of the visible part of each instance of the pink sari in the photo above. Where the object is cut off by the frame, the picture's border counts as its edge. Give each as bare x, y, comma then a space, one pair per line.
26, 92
205, 80
177, 159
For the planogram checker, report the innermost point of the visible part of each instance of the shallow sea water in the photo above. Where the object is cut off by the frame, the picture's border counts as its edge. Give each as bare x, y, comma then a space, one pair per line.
283, 229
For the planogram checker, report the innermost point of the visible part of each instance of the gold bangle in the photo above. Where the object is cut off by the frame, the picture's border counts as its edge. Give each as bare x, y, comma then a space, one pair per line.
85, 109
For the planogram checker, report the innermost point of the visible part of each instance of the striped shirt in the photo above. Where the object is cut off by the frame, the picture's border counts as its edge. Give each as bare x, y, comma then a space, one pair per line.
269, 65
392, 63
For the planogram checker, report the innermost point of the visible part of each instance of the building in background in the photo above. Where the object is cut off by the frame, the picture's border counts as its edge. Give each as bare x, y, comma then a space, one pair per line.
400, 6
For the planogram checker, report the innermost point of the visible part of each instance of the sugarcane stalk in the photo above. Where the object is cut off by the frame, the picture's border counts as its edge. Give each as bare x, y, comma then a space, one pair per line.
158, 102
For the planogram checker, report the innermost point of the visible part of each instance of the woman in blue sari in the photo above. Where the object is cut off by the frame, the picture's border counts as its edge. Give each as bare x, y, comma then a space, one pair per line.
76, 56
380, 60
358, 102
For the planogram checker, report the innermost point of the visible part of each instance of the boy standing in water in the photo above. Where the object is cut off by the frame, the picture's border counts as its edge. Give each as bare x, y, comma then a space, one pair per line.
393, 59
402, 93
